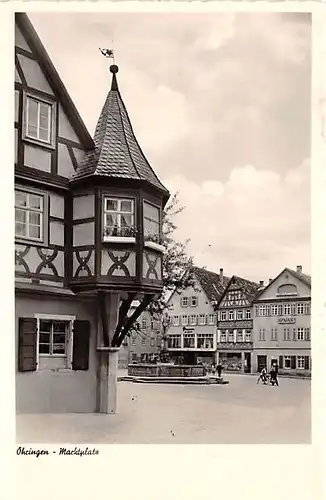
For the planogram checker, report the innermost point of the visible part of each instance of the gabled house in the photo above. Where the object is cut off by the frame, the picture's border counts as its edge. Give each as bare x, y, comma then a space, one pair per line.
192, 326
87, 238
282, 322
235, 324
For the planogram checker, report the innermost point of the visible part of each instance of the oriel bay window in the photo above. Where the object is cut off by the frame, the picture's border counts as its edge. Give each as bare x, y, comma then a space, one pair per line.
39, 120
30, 215
119, 218
152, 226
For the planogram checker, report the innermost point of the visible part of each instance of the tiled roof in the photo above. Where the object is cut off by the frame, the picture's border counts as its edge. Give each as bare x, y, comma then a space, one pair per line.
301, 276
250, 288
211, 283
117, 152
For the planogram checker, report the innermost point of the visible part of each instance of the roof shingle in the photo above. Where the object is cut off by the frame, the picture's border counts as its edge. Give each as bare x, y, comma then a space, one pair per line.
117, 152
211, 283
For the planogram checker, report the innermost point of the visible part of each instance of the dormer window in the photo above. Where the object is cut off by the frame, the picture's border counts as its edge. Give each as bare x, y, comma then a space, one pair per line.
152, 226
119, 219
39, 117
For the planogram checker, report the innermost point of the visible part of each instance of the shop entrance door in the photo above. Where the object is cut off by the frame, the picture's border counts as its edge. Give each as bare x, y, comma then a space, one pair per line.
261, 363
247, 362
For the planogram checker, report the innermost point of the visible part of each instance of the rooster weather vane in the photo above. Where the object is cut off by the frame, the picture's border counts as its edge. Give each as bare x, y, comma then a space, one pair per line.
109, 53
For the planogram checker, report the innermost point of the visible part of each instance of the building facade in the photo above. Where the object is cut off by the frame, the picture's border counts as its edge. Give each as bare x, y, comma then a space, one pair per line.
143, 346
87, 232
282, 322
191, 334
235, 325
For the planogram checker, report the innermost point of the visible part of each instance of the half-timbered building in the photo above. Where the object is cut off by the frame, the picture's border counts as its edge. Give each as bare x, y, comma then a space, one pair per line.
235, 325
87, 238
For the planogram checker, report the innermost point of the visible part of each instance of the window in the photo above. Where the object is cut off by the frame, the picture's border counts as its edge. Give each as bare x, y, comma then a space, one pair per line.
194, 301
184, 301
133, 341
231, 315
287, 361
144, 323
176, 320
211, 319
53, 337
231, 336
248, 314
205, 341
274, 334
300, 333
119, 217
300, 308
307, 333
152, 342
262, 334
193, 319
223, 315
202, 319
29, 215
262, 311
151, 222
239, 336
158, 342
301, 362
184, 320
274, 310
287, 289
39, 120
279, 309
286, 334
174, 341
286, 309
239, 314
307, 308
143, 340
248, 336
189, 341
223, 336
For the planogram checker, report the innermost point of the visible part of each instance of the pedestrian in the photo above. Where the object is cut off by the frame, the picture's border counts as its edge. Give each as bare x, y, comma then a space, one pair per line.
273, 374
213, 369
263, 376
219, 369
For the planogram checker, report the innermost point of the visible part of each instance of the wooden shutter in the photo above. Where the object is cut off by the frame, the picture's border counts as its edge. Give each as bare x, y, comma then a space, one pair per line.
81, 336
306, 362
293, 362
294, 332
280, 362
307, 333
27, 344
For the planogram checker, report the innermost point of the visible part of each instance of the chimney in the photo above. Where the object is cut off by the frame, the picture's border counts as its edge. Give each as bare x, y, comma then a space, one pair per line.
299, 269
270, 280
261, 283
221, 275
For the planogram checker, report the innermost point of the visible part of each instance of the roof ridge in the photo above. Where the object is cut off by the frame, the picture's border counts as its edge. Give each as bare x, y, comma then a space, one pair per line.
124, 131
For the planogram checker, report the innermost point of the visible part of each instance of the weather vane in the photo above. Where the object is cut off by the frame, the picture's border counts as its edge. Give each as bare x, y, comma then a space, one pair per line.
109, 53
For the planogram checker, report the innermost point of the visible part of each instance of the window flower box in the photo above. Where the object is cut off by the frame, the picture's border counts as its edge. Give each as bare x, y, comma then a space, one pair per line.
154, 242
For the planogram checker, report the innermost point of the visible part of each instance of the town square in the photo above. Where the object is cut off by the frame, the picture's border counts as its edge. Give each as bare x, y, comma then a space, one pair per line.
162, 258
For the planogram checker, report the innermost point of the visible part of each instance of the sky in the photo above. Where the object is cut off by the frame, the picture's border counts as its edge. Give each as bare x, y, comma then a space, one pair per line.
220, 104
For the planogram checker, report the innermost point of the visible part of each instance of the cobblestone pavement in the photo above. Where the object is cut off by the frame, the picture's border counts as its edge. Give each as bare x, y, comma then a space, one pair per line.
241, 412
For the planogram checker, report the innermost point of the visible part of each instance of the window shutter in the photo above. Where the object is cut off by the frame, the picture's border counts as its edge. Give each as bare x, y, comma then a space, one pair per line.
294, 334
307, 333
293, 362
27, 344
306, 362
80, 356
280, 362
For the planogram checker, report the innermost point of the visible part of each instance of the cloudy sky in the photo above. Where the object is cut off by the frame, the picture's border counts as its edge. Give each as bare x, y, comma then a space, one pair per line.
220, 104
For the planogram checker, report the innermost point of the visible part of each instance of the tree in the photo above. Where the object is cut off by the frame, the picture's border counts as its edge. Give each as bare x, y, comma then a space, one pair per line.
176, 270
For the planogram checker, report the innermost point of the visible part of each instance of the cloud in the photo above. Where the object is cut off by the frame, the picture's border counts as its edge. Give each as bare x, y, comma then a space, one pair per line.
254, 225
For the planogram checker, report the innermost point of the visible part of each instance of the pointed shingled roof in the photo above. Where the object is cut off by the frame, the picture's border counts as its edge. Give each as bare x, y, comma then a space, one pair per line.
117, 152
